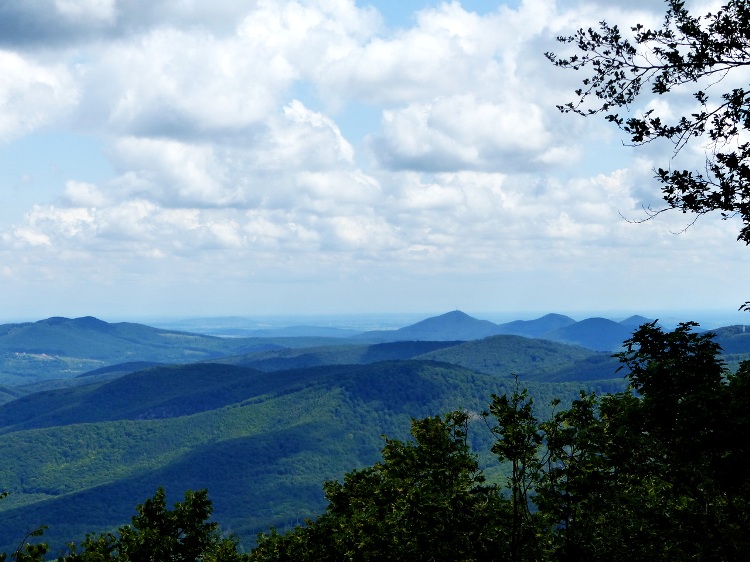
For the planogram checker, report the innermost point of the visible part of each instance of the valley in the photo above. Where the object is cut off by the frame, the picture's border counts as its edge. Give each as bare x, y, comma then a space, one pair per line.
260, 421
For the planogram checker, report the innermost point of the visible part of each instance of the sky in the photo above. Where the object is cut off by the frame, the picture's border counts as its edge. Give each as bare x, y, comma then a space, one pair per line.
247, 157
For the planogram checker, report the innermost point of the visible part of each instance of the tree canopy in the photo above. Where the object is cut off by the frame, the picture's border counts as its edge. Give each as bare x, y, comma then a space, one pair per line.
658, 472
690, 57
159, 534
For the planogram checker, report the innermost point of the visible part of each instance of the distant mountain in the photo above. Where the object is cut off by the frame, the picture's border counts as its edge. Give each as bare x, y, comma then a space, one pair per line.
599, 334
454, 325
62, 348
733, 339
636, 321
536, 328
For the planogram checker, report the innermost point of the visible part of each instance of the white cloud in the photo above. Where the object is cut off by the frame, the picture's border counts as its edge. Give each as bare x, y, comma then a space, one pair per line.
87, 11
227, 126
174, 173
81, 194
444, 54
462, 132
177, 83
32, 95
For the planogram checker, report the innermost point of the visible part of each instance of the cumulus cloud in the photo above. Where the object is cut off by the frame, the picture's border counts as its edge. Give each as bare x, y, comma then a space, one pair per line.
53, 22
460, 133
226, 126
32, 95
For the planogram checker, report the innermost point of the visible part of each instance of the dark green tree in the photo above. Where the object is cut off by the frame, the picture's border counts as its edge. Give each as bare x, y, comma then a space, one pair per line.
574, 485
658, 472
518, 442
158, 534
688, 51
680, 441
426, 500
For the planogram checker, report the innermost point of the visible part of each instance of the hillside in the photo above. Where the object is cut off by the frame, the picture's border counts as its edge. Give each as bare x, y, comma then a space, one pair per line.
454, 325
154, 393
508, 355
599, 334
280, 359
535, 328
63, 348
263, 443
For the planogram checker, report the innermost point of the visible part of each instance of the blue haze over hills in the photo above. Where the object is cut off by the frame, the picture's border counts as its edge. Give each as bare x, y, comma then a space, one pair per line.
103, 413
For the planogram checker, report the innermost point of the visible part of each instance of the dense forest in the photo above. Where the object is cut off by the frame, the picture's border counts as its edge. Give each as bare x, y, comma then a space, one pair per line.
658, 471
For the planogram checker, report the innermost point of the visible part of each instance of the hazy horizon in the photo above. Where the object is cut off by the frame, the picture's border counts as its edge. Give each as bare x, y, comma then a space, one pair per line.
708, 319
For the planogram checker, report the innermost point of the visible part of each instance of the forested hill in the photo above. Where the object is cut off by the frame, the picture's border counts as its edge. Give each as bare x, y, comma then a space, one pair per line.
262, 443
64, 347
530, 359
261, 429
341, 354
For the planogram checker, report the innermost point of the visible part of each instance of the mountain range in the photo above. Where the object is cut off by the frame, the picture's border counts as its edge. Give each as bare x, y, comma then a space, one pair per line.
261, 422
63, 348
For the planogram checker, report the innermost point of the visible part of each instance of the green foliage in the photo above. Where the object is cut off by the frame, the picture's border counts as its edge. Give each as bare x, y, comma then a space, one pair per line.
655, 473
658, 472
425, 500
75, 456
63, 348
518, 442
156, 533
699, 51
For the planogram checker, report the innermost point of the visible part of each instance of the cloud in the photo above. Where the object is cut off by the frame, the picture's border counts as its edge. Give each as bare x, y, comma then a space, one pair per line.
54, 22
462, 133
81, 194
228, 128
87, 12
179, 84
32, 95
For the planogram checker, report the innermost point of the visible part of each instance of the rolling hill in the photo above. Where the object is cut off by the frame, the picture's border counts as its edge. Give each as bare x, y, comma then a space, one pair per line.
536, 328
58, 348
599, 334
351, 354
79, 459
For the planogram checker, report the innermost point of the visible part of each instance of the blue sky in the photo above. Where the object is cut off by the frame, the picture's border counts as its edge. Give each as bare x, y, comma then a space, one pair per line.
181, 158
